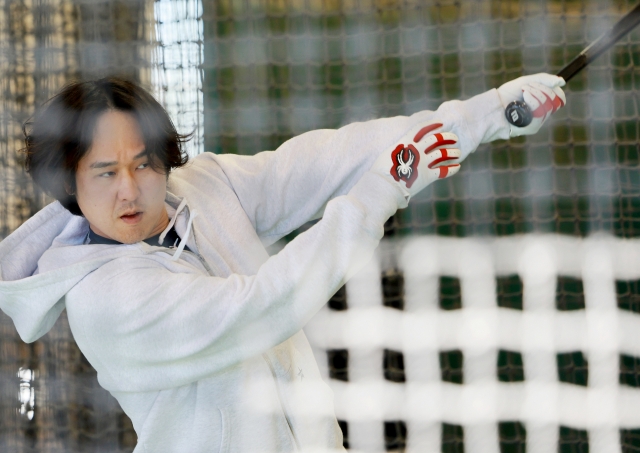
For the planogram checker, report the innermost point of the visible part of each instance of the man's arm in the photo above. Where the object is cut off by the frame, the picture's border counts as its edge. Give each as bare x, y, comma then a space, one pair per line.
282, 190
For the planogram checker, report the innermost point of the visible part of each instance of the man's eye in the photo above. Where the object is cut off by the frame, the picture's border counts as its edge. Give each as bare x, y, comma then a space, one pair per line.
145, 165
107, 174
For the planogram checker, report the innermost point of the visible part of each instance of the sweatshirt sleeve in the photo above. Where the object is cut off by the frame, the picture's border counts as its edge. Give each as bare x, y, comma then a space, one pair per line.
151, 326
281, 190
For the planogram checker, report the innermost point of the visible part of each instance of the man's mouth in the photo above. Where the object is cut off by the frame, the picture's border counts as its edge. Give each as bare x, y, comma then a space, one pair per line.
131, 218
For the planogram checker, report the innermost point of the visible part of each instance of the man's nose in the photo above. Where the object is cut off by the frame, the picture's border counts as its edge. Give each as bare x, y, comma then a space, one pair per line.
128, 189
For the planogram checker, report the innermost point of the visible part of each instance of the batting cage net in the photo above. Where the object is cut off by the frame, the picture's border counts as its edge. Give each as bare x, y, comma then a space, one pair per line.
500, 312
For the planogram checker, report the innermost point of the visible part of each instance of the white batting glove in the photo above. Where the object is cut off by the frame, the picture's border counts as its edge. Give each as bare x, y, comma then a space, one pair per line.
420, 158
541, 92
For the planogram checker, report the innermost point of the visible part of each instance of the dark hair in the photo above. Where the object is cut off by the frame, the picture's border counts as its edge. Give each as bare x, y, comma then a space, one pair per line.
61, 133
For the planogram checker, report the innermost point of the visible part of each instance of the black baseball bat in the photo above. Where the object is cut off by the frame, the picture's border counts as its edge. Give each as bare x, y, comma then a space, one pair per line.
519, 114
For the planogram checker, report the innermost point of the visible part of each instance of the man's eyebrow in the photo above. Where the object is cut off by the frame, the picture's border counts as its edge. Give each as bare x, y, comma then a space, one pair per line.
110, 164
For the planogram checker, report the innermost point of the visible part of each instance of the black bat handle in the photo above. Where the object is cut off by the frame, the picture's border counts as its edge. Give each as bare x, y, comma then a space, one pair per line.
518, 114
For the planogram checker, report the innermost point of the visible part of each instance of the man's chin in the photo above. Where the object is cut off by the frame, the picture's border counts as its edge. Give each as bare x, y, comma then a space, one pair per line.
130, 237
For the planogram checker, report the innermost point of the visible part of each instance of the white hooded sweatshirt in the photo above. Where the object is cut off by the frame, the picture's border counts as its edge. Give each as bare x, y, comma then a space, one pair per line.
203, 347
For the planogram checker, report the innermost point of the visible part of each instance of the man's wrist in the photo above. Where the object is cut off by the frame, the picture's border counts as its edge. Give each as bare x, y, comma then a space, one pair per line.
488, 109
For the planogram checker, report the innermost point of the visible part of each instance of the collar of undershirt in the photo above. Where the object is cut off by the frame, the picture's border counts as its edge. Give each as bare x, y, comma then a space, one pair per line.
170, 240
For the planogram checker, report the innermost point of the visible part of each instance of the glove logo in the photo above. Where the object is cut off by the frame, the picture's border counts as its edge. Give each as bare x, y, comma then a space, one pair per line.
405, 162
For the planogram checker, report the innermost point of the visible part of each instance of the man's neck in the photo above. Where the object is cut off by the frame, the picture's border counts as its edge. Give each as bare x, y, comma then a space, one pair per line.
170, 240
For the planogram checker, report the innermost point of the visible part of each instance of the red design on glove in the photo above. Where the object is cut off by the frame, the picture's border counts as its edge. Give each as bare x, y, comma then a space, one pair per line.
443, 158
405, 164
440, 141
548, 106
425, 130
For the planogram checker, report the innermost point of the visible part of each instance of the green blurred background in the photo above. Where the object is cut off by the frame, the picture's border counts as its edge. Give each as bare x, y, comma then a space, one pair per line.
275, 69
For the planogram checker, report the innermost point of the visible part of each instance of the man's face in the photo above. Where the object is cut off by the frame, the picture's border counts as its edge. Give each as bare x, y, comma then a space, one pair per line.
120, 195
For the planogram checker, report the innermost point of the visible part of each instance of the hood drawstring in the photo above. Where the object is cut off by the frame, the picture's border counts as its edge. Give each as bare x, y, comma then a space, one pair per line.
183, 241
172, 222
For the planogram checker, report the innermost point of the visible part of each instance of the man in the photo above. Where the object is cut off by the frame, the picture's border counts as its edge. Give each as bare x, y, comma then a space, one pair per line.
161, 264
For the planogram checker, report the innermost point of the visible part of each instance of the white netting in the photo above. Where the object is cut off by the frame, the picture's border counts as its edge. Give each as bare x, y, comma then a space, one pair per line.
415, 331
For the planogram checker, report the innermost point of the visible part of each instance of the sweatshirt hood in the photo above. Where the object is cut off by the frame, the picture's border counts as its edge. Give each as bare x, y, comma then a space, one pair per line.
40, 263
34, 300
